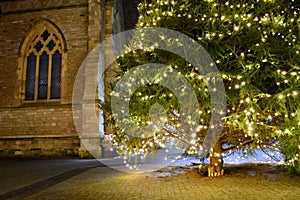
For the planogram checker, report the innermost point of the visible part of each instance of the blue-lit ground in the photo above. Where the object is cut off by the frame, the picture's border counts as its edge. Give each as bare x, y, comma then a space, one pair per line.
258, 157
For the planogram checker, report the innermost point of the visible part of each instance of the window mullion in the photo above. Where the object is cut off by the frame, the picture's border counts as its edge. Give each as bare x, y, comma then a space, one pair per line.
49, 76
36, 88
24, 75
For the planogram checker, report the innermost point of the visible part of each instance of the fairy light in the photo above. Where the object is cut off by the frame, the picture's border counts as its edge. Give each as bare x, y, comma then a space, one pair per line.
239, 21
280, 96
295, 93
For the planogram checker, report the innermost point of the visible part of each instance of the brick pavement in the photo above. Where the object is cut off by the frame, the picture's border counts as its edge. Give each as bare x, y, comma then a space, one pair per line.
105, 183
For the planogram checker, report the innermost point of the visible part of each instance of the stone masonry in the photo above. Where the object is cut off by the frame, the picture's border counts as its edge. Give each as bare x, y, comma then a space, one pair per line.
46, 128
40, 128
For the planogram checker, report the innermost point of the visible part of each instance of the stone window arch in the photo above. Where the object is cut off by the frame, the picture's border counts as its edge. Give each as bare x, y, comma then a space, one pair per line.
43, 57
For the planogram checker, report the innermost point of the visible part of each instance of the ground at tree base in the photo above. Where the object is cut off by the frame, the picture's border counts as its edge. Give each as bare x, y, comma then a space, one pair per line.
244, 181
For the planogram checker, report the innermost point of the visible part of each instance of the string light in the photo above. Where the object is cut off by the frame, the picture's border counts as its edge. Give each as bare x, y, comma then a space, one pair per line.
244, 112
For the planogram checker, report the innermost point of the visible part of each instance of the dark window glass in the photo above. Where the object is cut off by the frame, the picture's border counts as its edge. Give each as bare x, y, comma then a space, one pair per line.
56, 75
51, 45
43, 76
30, 77
45, 35
38, 46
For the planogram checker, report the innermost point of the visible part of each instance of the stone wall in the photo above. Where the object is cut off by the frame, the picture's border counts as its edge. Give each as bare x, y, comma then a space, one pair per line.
37, 121
47, 128
38, 131
44, 147
41, 128
15, 24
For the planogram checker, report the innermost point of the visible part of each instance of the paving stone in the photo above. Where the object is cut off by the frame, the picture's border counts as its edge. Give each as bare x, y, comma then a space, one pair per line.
100, 183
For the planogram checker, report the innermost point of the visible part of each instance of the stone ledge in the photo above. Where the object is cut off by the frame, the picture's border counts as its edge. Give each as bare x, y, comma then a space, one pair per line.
58, 147
37, 136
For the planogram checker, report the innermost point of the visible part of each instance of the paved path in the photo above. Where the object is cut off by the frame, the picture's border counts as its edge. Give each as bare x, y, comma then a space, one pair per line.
99, 182
16, 174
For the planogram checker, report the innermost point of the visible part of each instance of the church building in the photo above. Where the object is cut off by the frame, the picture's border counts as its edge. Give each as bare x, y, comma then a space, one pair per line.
43, 44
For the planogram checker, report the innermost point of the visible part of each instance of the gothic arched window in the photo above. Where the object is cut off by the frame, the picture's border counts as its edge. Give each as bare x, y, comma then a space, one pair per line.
43, 65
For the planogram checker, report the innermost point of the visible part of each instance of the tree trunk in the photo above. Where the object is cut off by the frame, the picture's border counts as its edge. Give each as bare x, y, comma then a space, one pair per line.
216, 161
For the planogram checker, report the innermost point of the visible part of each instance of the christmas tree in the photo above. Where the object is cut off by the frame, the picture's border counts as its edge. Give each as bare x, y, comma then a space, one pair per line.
255, 46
